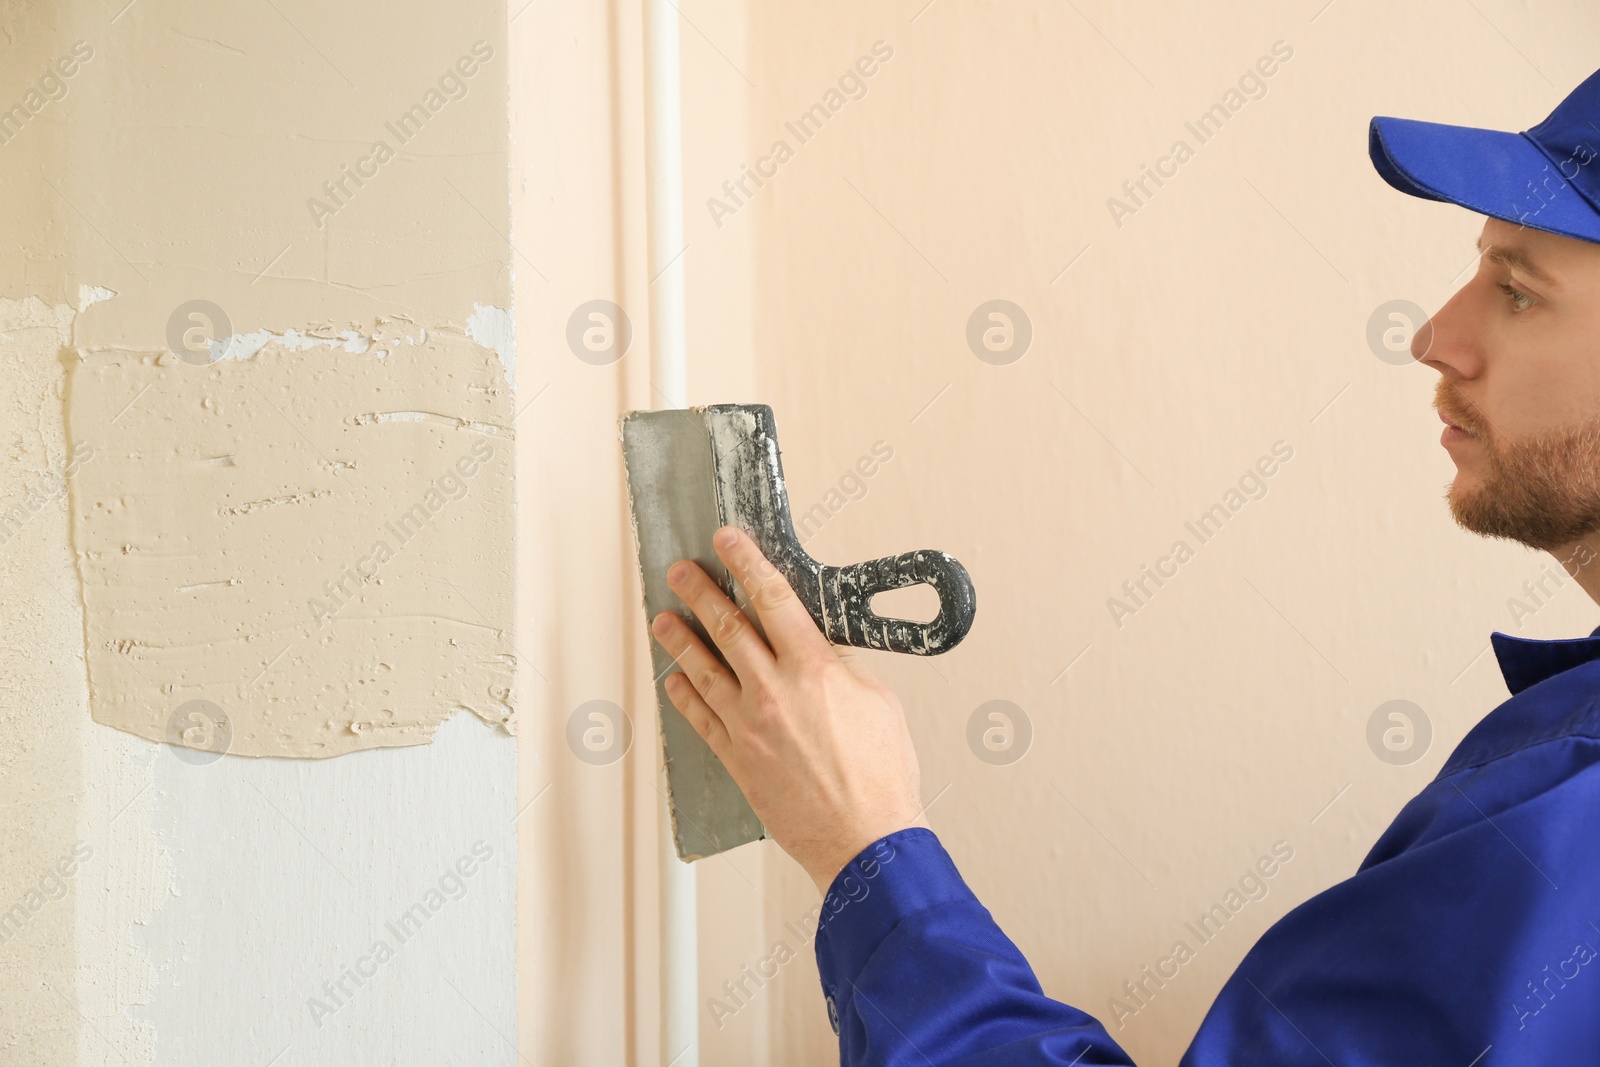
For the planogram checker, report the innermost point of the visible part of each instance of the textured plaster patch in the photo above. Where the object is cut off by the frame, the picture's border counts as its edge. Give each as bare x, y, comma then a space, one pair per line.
314, 540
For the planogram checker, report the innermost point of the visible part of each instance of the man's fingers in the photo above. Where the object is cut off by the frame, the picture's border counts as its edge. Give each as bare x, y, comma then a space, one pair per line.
788, 624
714, 683
739, 641
706, 722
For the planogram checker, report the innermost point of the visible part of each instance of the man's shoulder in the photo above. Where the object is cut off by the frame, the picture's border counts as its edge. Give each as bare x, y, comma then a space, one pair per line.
1564, 706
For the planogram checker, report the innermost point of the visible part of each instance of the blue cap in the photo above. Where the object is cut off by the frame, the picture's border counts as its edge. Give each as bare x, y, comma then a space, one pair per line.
1546, 178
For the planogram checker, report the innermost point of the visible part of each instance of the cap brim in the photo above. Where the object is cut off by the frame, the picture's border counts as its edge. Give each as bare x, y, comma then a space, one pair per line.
1495, 173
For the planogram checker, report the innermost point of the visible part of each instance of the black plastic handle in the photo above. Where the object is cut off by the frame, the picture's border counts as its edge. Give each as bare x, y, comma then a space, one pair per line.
752, 495
847, 594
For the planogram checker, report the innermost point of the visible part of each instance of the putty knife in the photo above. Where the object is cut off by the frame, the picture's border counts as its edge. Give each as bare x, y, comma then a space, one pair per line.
694, 470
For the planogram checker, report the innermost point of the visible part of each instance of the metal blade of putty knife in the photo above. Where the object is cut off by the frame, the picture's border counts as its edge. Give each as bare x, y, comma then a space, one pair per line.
693, 470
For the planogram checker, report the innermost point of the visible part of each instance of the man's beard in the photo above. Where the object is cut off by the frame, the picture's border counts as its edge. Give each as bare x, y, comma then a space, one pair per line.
1543, 492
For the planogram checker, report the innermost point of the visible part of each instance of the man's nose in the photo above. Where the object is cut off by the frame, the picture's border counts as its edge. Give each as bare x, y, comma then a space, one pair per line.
1422, 342
1448, 342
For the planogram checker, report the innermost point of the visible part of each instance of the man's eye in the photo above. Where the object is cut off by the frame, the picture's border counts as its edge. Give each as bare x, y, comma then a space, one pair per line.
1519, 300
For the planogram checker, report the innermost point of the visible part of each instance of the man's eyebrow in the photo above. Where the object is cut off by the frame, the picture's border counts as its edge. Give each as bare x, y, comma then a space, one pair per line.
1515, 259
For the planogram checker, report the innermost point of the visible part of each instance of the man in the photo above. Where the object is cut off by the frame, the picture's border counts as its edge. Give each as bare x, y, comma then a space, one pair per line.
1470, 935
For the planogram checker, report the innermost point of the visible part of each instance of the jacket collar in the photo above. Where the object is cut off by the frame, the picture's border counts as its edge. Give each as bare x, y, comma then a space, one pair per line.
1527, 661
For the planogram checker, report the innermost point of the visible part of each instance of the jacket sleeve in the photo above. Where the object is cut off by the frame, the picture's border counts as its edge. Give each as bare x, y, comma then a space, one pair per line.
1467, 937
916, 972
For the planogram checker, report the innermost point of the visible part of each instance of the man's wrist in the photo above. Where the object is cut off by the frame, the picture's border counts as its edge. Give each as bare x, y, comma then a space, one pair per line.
825, 871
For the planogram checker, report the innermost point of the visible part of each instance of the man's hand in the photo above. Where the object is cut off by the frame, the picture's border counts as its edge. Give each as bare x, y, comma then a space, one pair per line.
817, 744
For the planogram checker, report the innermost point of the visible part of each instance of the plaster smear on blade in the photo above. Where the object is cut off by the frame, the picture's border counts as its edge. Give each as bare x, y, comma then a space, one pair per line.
339, 582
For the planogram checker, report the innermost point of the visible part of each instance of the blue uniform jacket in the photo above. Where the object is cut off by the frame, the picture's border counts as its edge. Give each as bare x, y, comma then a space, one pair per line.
1468, 937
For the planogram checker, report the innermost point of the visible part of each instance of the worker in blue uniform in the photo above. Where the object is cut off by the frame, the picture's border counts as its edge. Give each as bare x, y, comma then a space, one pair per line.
1470, 934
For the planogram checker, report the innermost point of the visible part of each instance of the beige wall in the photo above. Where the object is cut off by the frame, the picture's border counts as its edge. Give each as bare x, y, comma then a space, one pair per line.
587, 929
1221, 317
